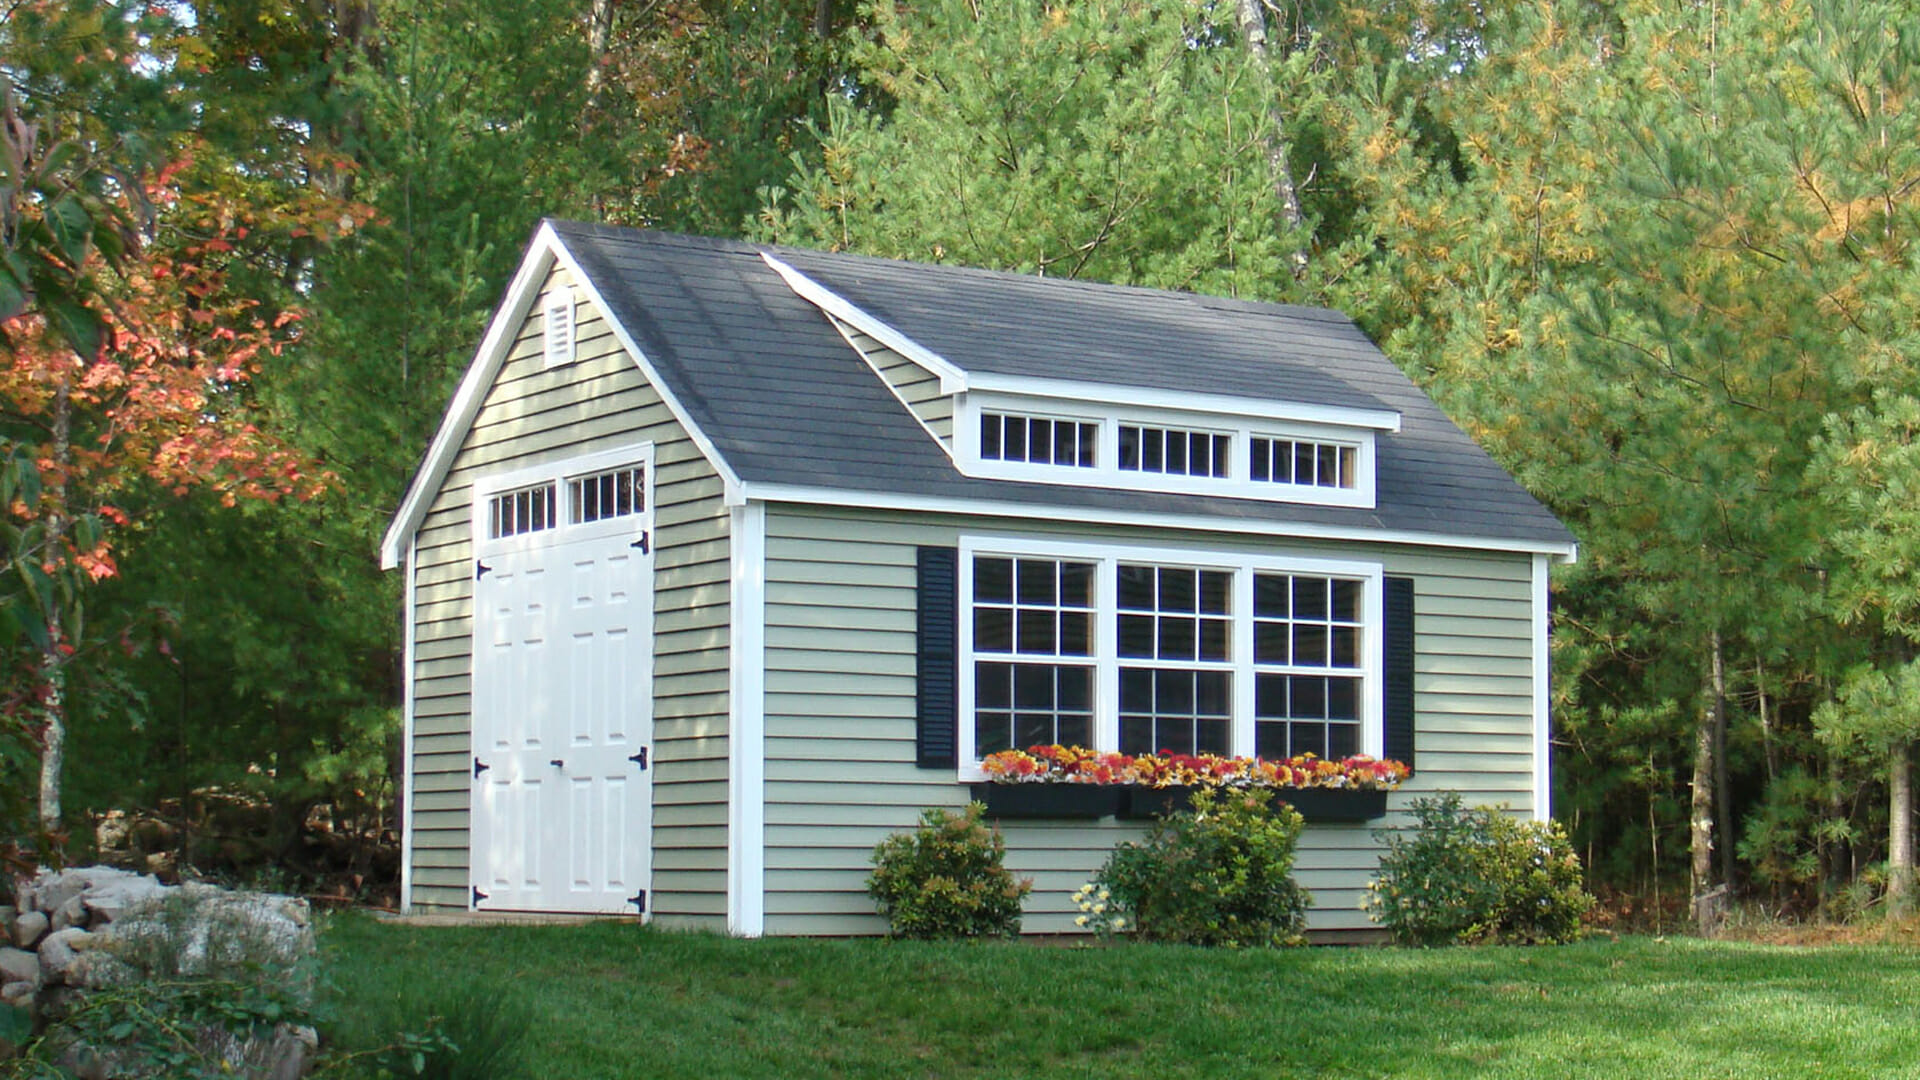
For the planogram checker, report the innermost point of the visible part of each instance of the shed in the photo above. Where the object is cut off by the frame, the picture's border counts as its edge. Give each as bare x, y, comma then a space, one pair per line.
727, 560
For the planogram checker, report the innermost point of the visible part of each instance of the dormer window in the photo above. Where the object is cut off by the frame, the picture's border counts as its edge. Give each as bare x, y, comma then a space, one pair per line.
1301, 461
1174, 452
1191, 445
1038, 440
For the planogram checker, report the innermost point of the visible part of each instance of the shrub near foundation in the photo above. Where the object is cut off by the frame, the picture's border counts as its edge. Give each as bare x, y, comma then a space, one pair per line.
1477, 875
947, 879
1218, 874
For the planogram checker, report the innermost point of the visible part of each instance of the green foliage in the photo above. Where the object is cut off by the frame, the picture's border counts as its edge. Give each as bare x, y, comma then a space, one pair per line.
192, 1029
1066, 140
947, 879
1477, 875
447, 1031
1220, 873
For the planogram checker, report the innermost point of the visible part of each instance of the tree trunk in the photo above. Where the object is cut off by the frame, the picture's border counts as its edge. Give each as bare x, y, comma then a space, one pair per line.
1722, 788
1900, 831
1253, 27
53, 737
1701, 829
599, 33
823, 19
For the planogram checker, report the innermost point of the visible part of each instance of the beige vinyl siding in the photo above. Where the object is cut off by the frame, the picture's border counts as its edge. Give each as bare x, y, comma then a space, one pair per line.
916, 387
840, 772
533, 416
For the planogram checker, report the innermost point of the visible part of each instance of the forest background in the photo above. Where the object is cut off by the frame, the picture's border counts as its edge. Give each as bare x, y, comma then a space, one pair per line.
1658, 257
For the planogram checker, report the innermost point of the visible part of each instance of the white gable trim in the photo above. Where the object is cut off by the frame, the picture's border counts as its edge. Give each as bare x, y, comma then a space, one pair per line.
946, 445
545, 250
1297, 530
952, 379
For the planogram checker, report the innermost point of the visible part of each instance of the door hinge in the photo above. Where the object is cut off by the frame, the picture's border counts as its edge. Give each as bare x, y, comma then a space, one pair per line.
480, 569
641, 543
478, 896
639, 902
640, 758
479, 767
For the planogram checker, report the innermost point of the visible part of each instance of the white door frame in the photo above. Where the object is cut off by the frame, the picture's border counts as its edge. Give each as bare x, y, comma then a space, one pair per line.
545, 548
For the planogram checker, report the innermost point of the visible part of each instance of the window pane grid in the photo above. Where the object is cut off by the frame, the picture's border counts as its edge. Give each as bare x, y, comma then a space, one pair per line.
1032, 608
1307, 658
1298, 461
615, 494
526, 510
1174, 451
1038, 440
1182, 619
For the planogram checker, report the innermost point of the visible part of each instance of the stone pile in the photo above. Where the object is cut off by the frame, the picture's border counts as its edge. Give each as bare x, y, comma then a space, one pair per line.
71, 931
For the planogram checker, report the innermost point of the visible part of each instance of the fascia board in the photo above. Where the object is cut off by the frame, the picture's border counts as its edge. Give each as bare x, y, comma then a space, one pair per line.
1151, 398
546, 249
939, 504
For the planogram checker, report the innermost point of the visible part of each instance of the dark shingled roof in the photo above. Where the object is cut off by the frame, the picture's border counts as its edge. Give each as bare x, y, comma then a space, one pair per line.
786, 400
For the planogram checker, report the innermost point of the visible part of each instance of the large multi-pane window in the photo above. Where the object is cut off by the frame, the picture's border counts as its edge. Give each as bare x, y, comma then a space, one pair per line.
1033, 647
1175, 629
1307, 665
1146, 652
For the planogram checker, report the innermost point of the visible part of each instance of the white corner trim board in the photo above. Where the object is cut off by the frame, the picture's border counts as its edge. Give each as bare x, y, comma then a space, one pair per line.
746, 734
1542, 693
543, 252
406, 735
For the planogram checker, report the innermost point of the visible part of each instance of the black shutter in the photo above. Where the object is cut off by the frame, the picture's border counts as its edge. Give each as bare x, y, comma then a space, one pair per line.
936, 734
1398, 633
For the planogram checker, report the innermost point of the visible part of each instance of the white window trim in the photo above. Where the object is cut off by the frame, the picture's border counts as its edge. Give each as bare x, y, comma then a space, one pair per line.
558, 346
1106, 659
558, 473
1106, 473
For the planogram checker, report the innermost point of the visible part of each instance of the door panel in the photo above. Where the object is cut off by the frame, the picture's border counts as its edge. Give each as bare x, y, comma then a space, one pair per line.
562, 714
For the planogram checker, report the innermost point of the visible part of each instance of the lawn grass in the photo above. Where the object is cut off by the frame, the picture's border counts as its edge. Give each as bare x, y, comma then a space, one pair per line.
619, 1001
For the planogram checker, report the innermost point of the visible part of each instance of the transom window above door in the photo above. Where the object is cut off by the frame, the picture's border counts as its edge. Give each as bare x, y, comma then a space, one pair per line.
601, 494
1145, 650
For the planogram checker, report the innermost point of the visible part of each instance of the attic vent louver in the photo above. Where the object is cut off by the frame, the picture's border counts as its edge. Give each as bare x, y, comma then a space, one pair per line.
559, 328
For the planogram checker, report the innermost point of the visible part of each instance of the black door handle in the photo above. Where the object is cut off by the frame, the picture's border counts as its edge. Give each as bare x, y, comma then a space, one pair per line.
557, 763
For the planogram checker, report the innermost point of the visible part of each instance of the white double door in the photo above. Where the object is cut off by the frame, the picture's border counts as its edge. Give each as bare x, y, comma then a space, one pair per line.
562, 713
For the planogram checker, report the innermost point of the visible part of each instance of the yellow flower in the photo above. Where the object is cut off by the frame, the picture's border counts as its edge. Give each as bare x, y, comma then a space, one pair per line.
1099, 909
1080, 921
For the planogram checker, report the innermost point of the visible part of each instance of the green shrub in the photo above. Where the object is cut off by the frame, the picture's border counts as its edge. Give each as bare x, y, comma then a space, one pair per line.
1220, 873
1477, 875
946, 879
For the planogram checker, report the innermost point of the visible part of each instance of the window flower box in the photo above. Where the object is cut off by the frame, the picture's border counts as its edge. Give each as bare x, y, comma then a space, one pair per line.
1314, 804
1050, 800
1070, 782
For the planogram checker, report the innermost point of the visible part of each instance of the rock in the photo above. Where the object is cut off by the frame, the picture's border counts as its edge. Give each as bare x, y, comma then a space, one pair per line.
52, 889
19, 965
207, 929
28, 929
109, 899
71, 912
59, 951
293, 1052
19, 995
